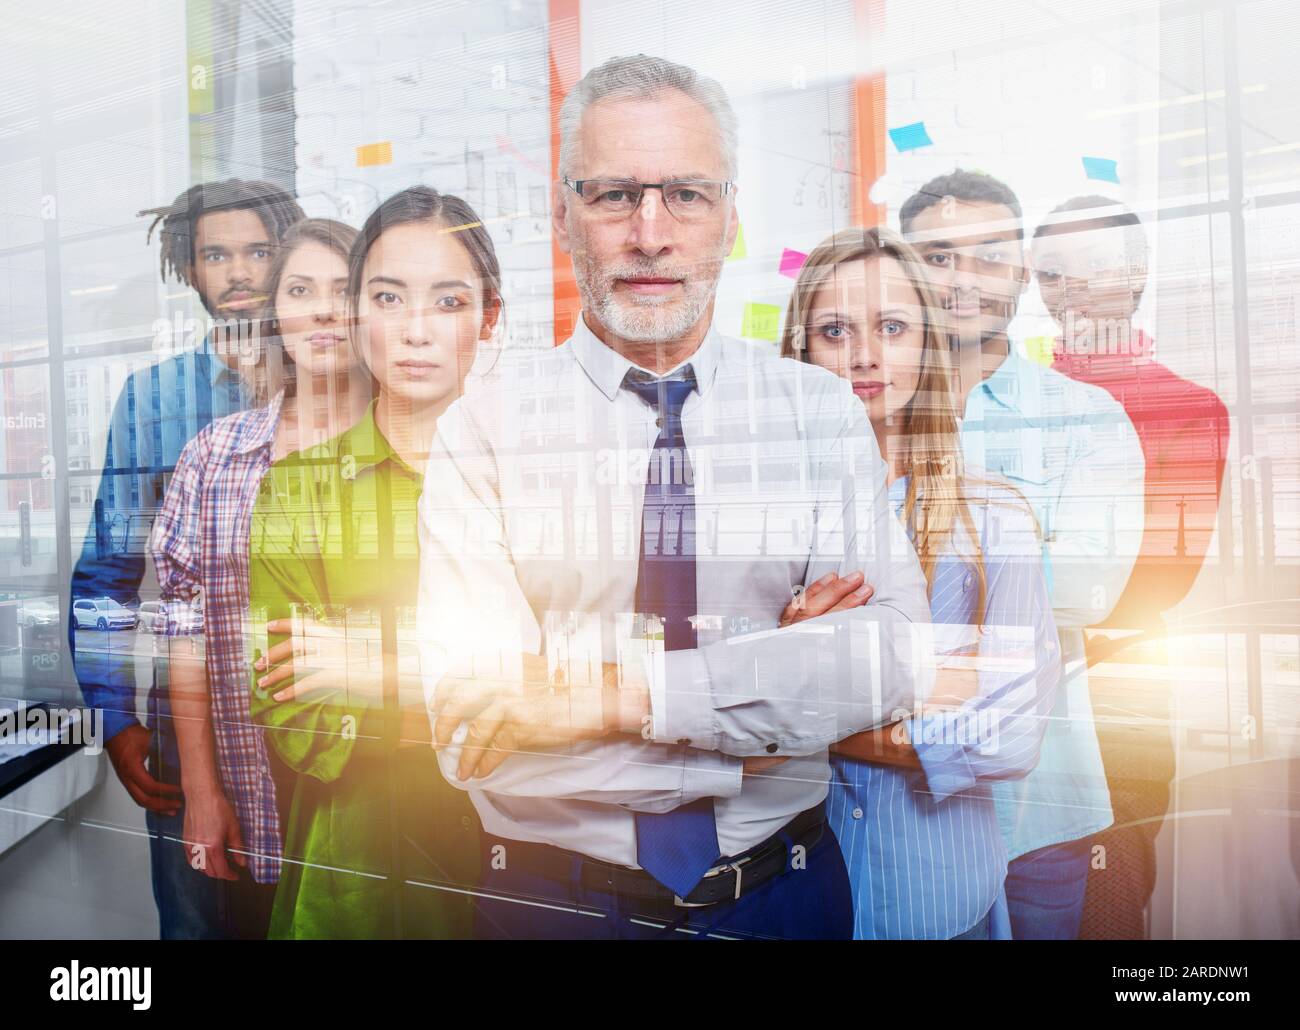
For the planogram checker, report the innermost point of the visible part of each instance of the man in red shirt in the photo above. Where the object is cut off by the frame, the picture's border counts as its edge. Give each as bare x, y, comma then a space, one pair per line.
1090, 254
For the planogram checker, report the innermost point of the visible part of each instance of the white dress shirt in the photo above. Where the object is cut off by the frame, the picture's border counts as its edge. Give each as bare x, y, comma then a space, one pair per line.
530, 535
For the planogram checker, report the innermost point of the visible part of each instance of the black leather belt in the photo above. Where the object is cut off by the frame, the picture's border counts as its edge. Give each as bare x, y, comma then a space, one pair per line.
728, 881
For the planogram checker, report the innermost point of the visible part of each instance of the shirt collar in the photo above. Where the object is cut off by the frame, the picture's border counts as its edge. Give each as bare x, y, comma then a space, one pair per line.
1003, 385
367, 444
1075, 363
257, 427
607, 369
219, 373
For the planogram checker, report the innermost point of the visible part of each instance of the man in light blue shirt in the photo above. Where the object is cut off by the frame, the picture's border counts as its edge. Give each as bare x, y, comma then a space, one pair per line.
652, 472
1073, 453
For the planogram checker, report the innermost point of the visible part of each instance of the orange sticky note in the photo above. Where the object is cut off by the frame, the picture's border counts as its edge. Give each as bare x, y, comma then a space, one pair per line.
375, 154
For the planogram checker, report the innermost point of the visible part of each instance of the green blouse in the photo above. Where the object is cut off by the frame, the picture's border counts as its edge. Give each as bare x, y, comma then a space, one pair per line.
374, 835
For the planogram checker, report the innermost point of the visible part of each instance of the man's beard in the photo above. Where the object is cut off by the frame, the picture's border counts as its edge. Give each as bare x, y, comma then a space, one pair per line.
218, 312
646, 319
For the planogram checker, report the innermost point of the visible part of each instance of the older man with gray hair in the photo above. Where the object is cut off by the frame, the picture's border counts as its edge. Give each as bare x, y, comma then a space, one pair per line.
610, 531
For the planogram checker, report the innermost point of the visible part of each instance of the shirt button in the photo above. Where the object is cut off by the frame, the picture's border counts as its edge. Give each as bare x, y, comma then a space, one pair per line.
466, 822
685, 741
857, 813
968, 581
771, 749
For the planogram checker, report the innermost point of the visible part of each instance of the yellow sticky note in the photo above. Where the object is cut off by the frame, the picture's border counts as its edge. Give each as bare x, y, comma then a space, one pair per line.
762, 322
201, 89
375, 154
738, 251
1039, 349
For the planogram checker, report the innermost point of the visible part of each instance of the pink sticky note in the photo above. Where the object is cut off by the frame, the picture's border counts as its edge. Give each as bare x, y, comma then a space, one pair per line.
791, 262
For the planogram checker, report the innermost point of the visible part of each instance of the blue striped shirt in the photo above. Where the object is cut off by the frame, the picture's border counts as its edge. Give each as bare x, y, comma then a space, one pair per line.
923, 849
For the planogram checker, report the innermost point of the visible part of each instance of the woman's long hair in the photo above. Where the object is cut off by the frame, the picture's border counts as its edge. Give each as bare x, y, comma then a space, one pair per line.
282, 372
927, 446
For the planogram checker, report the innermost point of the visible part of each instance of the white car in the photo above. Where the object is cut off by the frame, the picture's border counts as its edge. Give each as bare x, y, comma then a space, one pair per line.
38, 613
154, 620
151, 616
102, 613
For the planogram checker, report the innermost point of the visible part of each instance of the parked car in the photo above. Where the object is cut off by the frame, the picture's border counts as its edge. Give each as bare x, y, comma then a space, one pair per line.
154, 620
102, 613
150, 614
38, 613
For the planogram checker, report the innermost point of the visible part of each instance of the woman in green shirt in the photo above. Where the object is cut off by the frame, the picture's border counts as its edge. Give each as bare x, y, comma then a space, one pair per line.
377, 844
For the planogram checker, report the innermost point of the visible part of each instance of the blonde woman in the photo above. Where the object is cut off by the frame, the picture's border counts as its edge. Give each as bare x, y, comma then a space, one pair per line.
910, 802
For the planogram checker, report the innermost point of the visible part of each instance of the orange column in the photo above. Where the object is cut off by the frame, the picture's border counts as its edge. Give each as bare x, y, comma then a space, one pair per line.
868, 115
565, 68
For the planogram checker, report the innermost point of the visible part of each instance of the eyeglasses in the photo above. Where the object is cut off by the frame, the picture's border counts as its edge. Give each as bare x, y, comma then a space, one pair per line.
688, 200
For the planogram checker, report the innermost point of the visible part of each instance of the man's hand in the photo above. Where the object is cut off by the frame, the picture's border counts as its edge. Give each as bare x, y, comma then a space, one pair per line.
127, 751
831, 593
536, 711
326, 658
211, 827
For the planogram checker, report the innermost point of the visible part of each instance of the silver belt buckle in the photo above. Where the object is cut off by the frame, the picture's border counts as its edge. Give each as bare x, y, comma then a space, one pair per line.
737, 867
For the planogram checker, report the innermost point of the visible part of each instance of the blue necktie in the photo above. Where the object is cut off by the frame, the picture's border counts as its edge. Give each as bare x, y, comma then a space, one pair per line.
677, 848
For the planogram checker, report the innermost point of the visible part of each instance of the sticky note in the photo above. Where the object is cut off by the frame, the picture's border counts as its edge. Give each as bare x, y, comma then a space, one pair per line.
910, 137
738, 251
1039, 349
762, 322
791, 262
1101, 169
375, 154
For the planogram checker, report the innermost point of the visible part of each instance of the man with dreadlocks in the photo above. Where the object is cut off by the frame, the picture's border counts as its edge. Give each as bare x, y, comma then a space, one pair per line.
218, 238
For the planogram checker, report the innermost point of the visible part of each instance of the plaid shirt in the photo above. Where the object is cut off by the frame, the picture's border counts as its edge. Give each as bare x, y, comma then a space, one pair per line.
200, 543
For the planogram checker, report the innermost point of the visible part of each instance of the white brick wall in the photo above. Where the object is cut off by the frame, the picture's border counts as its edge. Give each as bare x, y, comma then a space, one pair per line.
460, 90
1022, 97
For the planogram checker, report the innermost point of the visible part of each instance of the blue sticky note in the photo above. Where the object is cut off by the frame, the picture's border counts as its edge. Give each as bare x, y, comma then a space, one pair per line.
909, 137
1101, 169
